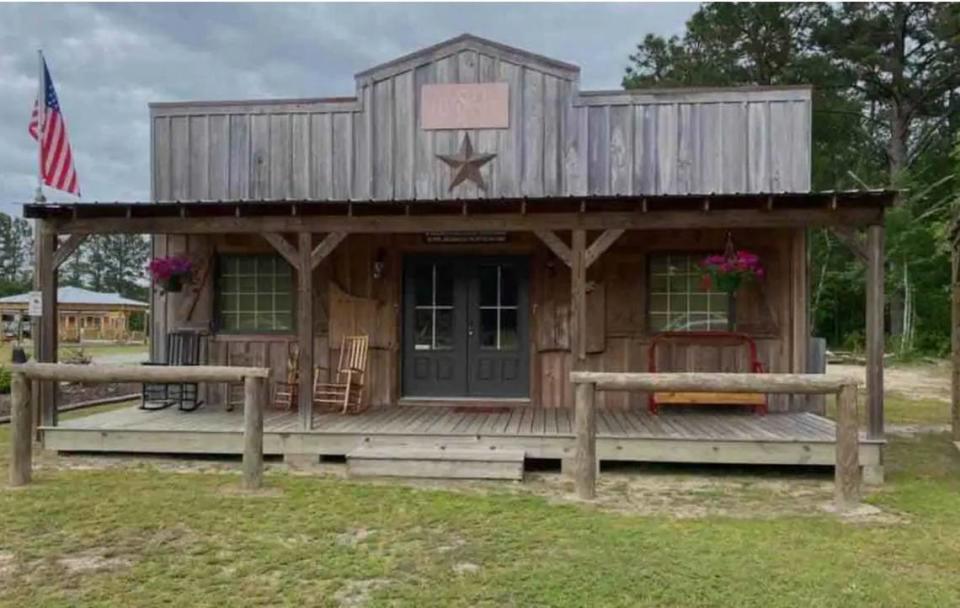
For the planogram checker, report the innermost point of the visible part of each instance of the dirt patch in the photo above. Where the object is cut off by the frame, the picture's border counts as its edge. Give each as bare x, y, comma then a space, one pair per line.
93, 560
863, 514
354, 537
8, 564
700, 496
465, 568
356, 593
929, 381
912, 430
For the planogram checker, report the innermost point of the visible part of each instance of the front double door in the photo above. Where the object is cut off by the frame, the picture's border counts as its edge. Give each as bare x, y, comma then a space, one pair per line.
465, 327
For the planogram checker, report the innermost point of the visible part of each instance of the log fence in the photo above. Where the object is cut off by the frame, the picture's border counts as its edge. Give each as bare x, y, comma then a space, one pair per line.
255, 381
847, 476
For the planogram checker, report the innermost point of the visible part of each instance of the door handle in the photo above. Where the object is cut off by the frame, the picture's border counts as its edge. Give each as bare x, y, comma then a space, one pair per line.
470, 329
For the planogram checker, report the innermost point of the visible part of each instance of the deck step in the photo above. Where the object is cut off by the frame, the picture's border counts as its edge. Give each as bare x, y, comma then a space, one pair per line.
436, 463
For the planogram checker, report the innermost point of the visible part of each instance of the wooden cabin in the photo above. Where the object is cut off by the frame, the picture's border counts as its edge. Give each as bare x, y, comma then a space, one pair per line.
84, 315
491, 227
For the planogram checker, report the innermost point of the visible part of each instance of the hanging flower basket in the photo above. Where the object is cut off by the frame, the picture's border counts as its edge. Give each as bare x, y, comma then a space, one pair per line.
728, 273
171, 273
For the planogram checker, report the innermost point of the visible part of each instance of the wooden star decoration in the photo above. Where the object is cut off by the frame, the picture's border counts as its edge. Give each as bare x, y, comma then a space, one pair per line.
466, 165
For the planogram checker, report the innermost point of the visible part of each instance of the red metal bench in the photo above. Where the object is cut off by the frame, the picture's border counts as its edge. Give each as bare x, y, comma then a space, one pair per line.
757, 401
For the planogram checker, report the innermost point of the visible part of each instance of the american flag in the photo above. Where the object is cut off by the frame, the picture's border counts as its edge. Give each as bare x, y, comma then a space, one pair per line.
56, 158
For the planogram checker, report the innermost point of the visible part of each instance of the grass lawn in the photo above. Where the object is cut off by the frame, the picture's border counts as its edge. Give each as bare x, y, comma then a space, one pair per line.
145, 535
898, 410
92, 350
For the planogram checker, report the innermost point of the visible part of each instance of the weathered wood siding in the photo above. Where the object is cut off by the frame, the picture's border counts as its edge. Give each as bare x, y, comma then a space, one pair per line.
349, 300
560, 141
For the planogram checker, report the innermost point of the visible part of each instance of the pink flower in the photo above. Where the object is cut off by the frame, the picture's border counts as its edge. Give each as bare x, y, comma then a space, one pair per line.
163, 269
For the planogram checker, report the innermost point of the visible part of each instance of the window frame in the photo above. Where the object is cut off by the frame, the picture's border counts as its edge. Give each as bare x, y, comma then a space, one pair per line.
648, 296
218, 297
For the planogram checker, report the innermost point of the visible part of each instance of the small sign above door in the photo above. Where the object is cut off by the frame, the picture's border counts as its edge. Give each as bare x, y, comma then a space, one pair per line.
465, 106
464, 237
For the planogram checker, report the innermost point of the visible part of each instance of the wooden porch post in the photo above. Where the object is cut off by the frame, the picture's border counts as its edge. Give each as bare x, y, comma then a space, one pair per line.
585, 454
847, 468
45, 330
578, 298
874, 331
305, 329
254, 394
21, 446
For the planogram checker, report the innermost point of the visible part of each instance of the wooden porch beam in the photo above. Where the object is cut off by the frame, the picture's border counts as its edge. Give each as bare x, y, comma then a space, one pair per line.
45, 328
602, 243
578, 299
66, 248
496, 222
874, 332
305, 329
325, 248
283, 247
556, 245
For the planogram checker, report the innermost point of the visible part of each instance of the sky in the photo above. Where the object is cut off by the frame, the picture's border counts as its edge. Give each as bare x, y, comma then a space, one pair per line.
108, 61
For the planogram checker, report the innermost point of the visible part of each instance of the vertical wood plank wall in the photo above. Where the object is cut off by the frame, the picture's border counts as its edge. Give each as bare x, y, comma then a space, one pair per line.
349, 300
560, 141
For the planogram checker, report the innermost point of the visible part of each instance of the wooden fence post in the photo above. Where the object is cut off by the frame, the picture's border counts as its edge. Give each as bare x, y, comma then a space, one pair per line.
847, 469
253, 432
585, 455
21, 423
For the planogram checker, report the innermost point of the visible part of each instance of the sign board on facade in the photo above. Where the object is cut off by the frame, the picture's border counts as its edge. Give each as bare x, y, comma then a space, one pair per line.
464, 237
35, 305
483, 105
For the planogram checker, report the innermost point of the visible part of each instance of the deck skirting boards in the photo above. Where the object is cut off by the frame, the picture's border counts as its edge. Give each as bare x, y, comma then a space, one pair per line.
640, 449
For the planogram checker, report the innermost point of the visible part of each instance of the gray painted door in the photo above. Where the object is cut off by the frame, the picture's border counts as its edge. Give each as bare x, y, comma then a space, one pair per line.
465, 327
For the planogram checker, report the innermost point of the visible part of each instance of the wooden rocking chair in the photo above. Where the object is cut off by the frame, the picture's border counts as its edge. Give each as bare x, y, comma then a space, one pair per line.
285, 391
344, 392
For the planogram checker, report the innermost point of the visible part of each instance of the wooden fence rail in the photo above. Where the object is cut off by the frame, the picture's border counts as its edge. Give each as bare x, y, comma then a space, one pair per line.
255, 381
847, 470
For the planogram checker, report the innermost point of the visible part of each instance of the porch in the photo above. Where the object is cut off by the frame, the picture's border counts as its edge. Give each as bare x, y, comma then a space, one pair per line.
677, 435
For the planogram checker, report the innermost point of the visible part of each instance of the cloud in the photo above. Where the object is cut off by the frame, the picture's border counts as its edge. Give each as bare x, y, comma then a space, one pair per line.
109, 61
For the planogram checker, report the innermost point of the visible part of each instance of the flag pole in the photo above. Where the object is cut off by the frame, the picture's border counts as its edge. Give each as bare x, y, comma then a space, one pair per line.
41, 119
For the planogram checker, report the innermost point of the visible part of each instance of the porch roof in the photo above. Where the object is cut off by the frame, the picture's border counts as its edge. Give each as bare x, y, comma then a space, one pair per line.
849, 207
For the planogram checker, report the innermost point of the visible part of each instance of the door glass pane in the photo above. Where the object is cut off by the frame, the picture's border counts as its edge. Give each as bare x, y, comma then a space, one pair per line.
488, 329
508, 286
444, 335
423, 284
444, 285
509, 337
488, 285
423, 329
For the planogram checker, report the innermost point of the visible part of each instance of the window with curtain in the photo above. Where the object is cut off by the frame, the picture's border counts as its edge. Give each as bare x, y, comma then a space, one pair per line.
254, 293
678, 300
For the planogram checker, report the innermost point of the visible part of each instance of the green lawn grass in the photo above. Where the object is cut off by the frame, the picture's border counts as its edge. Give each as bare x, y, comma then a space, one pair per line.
65, 350
899, 410
144, 536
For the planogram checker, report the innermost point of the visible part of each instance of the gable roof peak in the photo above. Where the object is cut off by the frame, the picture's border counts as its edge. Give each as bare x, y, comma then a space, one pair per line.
467, 41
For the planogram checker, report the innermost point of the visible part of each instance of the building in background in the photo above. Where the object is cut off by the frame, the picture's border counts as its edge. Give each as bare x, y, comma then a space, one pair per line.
83, 315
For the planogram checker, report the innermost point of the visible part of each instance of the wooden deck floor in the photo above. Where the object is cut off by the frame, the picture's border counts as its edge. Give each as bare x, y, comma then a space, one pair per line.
674, 436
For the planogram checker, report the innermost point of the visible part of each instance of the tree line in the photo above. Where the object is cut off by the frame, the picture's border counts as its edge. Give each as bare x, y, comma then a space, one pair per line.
886, 80
110, 263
